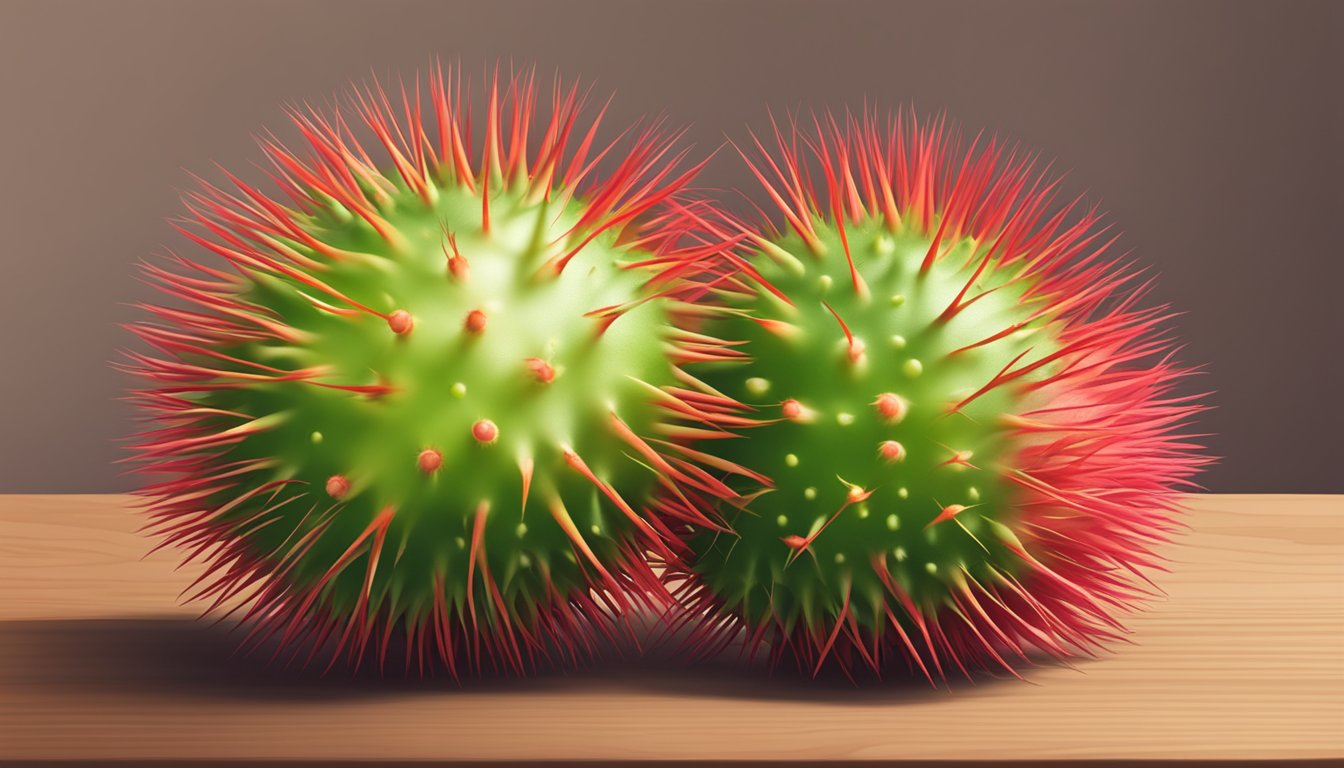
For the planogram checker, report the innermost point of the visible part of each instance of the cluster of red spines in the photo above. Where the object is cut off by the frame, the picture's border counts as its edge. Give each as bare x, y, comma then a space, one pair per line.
1105, 448
251, 230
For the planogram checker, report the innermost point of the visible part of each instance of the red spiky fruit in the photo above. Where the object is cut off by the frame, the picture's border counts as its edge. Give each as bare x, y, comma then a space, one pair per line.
425, 404
966, 433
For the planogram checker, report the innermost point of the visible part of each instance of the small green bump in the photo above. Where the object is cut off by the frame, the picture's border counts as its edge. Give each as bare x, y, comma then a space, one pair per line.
825, 283
460, 542
521, 530
884, 245
459, 390
810, 494
973, 493
844, 419
913, 367
897, 299
899, 552
903, 492
316, 437
839, 558
932, 568
791, 460
758, 386
897, 341
893, 522
864, 511
783, 520
596, 529
524, 561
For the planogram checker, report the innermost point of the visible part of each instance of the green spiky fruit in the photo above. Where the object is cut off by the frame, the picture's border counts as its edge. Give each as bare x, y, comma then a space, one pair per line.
956, 459
864, 425
424, 402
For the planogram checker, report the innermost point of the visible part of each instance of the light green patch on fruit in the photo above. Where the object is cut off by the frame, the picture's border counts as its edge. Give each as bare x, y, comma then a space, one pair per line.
758, 386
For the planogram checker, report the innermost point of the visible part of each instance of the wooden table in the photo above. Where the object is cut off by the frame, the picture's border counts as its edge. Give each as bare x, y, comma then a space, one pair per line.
1242, 661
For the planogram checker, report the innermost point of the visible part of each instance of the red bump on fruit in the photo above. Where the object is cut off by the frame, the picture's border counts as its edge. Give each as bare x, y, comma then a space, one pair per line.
891, 407
337, 487
948, 512
400, 322
485, 431
458, 267
891, 451
542, 370
792, 410
429, 461
475, 322
856, 350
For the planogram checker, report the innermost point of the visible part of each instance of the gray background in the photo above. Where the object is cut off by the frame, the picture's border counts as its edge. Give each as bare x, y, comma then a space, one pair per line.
1209, 130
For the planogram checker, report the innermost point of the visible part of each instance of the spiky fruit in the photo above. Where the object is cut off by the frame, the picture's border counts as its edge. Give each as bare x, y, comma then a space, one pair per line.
965, 421
430, 405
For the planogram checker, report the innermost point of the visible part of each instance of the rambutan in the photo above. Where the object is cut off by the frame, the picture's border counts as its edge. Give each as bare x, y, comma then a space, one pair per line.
966, 426
425, 404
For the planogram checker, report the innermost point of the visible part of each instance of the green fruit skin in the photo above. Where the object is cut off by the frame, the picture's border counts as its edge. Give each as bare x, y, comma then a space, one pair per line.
444, 379
818, 461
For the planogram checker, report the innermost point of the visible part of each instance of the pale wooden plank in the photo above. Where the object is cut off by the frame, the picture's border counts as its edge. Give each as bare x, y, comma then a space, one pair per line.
1243, 659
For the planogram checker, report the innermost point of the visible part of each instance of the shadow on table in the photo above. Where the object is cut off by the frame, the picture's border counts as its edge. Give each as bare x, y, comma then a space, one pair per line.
183, 657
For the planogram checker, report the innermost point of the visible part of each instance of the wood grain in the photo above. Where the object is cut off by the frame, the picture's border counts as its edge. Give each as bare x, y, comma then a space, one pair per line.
1242, 660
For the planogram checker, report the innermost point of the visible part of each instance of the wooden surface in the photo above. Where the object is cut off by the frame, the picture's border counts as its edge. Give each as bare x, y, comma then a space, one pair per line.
1242, 660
